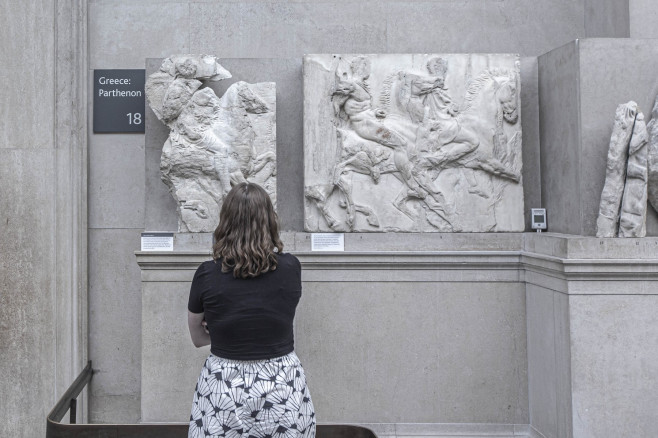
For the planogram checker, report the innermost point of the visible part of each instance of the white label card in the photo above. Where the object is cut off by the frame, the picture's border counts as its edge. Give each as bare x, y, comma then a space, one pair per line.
157, 241
327, 242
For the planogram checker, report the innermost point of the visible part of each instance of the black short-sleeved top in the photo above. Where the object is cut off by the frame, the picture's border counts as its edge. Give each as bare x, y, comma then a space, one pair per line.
248, 319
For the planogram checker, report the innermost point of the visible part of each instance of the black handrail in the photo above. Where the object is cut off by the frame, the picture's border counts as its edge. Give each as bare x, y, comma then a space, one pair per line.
68, 402
70, 397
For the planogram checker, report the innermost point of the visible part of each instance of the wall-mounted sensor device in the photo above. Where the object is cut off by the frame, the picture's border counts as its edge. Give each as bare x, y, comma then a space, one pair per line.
539, 219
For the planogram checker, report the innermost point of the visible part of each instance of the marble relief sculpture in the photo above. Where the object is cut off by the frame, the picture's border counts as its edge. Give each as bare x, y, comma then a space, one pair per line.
623, 206
412, 143
213, 142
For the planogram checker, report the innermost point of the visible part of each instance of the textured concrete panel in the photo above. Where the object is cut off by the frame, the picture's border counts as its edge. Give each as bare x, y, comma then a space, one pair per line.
27, 291
542, 381
482, 353
560, 138
170, 363
610, 65
116, 181
607, 18
392, 361
114, 323
115, 409
615, 371
563, 365
287, 30
643, 16
122, 33
28, 57
516, 26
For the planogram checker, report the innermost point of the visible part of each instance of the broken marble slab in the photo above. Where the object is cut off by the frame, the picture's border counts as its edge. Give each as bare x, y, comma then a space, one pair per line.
615, 178
213, 142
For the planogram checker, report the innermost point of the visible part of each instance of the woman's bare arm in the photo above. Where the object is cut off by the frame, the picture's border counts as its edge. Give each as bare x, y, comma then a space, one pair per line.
198, 333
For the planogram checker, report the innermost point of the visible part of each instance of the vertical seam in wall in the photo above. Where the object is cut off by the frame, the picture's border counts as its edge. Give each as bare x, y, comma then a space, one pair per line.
538, 162
53, 288
556, 368
189, 50
579, 140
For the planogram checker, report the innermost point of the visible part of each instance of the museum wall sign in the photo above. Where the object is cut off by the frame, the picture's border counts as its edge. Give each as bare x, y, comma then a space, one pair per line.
118, 100
412, 143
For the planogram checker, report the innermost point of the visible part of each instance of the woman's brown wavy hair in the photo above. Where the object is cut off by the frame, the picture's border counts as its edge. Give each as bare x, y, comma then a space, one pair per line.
247, 237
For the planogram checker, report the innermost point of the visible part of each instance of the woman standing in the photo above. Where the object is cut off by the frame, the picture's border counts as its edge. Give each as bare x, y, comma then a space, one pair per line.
242, 303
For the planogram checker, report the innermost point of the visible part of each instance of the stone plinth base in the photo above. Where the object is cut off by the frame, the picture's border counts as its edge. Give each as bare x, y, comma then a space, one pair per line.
501, 329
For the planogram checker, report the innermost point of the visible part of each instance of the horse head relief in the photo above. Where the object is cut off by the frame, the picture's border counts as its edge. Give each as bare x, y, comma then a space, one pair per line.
213, 142
428, 143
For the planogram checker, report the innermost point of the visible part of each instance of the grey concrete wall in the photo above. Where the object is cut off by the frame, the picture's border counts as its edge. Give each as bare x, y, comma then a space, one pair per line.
580, 86
42, 187
607, 19
122, 34
549, 361
643, 16
614, 368
414, 352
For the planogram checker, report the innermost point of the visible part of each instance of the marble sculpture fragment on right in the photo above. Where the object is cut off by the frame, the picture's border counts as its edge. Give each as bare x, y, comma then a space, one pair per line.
412, 143
623, 206
615, 177
652, 158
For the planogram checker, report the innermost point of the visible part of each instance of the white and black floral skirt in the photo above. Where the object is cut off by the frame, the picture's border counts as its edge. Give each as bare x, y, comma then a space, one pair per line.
252, 399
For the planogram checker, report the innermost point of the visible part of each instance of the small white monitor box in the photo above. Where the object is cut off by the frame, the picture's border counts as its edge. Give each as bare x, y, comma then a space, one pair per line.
539, 219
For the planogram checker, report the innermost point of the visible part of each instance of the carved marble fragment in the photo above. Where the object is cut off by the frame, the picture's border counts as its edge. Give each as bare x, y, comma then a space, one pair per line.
652, 152
613, 189
633, 215
412, 143
213, 142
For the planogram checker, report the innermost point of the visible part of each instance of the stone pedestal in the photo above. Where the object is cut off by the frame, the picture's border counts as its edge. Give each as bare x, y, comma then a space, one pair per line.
522, 333
591, 309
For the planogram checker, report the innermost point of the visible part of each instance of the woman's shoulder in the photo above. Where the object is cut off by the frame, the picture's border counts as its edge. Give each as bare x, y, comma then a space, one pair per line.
288, 260
206, 267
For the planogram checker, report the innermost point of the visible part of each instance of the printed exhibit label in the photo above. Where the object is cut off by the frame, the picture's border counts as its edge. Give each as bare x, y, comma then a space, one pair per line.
157, 241
327, 242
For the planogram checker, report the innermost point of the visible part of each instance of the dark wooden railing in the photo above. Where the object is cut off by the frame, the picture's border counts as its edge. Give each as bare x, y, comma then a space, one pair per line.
68, 403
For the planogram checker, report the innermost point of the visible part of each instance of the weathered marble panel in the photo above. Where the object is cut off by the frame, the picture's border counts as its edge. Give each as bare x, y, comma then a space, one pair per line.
412, 143
214, 142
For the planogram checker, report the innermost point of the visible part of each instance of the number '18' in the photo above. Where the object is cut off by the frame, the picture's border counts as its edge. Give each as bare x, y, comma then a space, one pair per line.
134, 118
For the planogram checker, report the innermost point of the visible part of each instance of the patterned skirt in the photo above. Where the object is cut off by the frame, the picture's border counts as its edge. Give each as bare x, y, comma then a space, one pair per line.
252, 399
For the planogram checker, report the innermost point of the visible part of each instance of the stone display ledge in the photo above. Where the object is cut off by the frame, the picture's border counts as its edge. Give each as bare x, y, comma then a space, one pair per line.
564, 263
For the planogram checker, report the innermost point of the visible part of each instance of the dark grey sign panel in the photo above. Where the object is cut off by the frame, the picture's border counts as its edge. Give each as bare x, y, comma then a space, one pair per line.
119, 101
